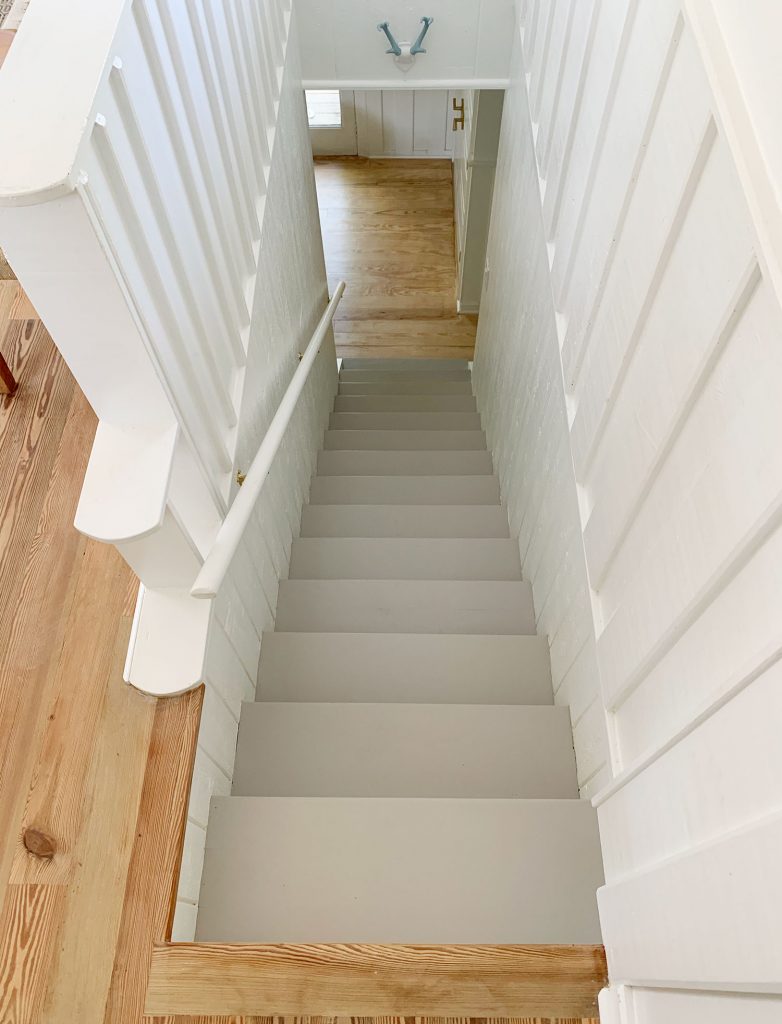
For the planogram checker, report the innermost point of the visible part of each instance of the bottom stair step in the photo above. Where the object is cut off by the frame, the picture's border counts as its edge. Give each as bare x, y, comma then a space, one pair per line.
295, 869
372, 980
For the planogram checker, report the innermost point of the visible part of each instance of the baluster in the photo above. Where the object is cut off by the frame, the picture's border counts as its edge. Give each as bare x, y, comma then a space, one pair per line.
263, 69
201, 421
182, 272
243, 205
231, 104
251, 127
228, 229
263, 112
234, 307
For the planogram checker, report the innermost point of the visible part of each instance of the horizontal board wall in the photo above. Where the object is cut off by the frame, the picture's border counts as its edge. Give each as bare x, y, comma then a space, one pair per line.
290, 298
342, 48
628, 367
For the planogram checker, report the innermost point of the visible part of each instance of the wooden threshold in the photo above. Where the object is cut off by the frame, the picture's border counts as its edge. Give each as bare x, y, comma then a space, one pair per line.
375, 980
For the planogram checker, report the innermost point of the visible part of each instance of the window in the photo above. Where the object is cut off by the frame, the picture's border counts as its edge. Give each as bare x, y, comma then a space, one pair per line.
323, 108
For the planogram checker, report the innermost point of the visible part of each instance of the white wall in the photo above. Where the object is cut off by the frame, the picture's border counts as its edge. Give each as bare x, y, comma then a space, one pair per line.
404, 123
474, 166
469, 39
628, 366
409, 123
290, 298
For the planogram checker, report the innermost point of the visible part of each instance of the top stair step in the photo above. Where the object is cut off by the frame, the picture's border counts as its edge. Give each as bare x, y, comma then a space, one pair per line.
405, 364
428, 376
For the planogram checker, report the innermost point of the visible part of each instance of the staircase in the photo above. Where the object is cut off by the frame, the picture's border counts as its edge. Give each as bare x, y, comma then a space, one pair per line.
403, 776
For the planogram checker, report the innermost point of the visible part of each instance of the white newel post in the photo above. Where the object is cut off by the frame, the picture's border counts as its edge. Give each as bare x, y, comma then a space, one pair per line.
143, 491
136, 143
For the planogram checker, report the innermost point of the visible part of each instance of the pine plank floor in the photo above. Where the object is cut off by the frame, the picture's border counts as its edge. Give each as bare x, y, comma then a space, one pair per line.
388, 230
77, 746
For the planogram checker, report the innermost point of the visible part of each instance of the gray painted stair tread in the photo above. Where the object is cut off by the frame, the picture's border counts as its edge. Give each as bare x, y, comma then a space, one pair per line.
404, 463
349, 376
406, 668
405, 606
357, 363
404, 521
400, 870
404, 421
403, 489
405, 558
423, 750
405, 440
405, 403
421, 386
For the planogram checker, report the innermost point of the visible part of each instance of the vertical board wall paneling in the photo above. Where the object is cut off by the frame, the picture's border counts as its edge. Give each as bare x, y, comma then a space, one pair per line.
628, 366
403, 123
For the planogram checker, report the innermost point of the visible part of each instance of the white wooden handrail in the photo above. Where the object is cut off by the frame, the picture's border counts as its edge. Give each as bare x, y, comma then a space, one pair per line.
229, 536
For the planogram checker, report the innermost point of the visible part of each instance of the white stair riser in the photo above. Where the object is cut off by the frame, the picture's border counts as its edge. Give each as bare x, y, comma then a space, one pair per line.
360, 421
417, 750
296, 869
430, 365
405, 403
405, 440
404, 521
403, 489
404, 463
406, 387
405, 668
356, 558
405, 606
393, 376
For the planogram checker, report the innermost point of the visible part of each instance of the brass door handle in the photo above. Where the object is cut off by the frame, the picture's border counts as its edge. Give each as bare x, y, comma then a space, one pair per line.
458, 122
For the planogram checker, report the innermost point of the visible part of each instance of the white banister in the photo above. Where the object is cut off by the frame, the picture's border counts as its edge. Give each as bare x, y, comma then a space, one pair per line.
134, 185
229, 536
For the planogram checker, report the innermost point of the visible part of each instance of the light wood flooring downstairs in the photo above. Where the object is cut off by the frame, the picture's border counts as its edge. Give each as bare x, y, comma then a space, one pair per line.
89, 767
388, 230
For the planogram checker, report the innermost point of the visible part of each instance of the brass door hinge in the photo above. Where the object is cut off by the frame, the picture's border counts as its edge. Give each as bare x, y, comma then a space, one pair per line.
458, 122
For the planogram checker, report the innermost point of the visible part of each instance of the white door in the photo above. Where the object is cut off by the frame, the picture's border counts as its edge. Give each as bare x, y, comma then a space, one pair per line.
332, 120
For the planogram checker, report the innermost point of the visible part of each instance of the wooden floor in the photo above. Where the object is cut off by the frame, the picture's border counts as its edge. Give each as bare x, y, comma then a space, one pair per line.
76, 744
388, 230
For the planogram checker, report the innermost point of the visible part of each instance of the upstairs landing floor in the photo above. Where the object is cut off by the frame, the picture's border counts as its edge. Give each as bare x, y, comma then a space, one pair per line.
388, 230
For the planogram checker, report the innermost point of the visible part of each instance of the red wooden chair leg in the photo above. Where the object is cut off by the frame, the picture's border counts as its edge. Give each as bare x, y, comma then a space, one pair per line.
7, 382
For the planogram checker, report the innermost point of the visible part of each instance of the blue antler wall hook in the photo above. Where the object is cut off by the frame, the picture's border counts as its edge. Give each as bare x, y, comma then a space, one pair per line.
395, 48
416, 47
404, 53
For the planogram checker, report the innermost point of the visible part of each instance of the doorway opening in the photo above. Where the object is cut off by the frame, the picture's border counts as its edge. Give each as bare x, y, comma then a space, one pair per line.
405, 180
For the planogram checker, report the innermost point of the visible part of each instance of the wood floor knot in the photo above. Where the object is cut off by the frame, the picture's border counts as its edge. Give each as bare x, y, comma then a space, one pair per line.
39, 843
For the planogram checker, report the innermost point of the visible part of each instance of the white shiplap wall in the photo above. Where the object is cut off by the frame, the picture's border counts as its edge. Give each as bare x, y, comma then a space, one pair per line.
519, 386
628, 366
290, 298
399, 123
